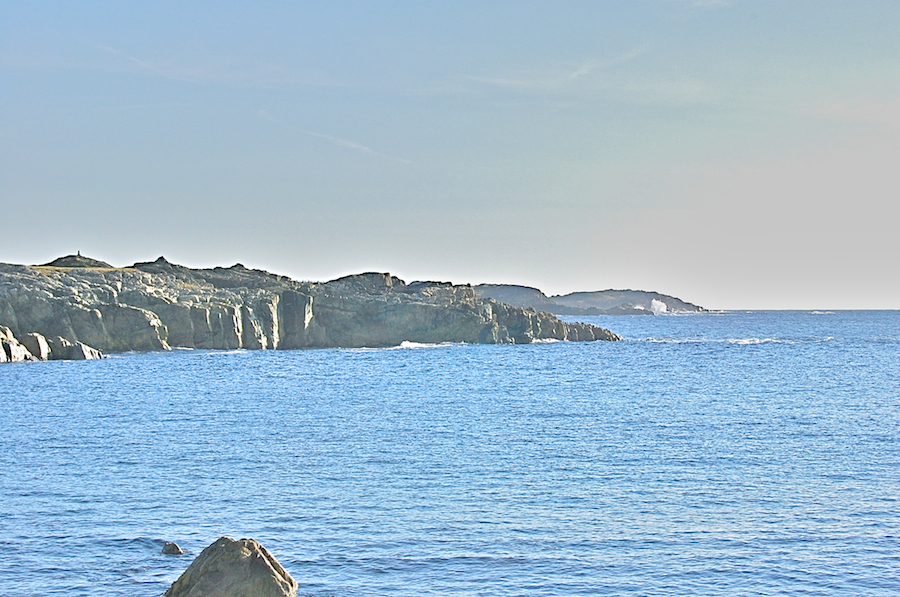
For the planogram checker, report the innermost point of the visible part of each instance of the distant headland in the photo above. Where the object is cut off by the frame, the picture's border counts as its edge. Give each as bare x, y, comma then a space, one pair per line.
77, 307
599, 302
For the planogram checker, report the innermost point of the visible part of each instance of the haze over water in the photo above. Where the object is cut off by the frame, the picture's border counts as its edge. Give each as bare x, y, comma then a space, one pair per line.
730, 453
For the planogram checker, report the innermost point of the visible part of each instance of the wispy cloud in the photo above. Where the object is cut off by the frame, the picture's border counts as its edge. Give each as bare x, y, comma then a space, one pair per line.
336, 140
584, 69
559, 78
146, 65
198, 66
597, 78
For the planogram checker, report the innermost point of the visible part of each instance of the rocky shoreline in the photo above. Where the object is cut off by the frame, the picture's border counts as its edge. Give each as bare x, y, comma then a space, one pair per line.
77, 307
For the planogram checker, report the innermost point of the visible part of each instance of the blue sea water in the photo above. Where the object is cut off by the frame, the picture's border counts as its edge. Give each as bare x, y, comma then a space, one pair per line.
737, 453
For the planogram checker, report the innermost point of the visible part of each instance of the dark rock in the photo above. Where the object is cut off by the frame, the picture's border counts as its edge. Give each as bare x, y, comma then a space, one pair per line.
230, 568
172, 549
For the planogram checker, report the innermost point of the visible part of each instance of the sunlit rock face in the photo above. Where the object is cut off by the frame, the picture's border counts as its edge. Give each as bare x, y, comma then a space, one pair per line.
35, 347
158, 305
11, 351
234, 568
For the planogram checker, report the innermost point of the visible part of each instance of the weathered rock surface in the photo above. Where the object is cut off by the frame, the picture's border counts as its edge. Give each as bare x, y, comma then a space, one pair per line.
230, 568
158, 305
62, 349
11, 351
600, 302
37, 345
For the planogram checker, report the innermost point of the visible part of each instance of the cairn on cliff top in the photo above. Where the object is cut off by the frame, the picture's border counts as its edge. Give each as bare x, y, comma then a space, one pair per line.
230, 568
76, 261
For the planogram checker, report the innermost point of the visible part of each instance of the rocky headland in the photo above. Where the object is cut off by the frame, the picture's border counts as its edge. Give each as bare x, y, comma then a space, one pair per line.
76, 303
599, 302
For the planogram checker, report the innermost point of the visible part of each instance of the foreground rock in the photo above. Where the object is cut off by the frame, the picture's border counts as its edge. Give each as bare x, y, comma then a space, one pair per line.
600, 302
230, 568
159, 305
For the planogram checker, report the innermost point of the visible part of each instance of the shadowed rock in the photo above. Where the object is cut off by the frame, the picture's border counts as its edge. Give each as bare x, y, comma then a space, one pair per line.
230, 568
36, 345
63, 350
172, 549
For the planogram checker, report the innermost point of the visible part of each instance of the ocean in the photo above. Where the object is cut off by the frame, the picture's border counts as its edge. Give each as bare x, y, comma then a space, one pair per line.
733, 453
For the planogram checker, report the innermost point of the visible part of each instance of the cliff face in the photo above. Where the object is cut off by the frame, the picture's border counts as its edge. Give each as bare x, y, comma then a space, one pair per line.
159, 305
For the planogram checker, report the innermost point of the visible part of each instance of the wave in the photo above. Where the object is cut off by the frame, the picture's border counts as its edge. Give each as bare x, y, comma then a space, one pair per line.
736, 341
545, 341
677, 340
406, 345
760, 341
821, 312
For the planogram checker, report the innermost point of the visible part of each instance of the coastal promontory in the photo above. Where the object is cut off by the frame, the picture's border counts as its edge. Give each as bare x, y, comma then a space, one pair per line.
598, 302
159, 305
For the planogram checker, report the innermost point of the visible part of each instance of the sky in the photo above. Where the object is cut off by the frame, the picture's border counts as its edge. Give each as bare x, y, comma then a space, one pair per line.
736, 154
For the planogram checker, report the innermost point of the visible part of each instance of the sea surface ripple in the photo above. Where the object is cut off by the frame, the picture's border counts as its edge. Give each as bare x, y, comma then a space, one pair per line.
730, 453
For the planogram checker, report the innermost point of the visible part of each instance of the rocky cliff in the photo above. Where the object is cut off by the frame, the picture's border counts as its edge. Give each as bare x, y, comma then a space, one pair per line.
158, 305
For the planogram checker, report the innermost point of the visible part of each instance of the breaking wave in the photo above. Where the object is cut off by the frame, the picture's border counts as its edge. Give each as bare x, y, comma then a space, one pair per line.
737, 341
658, 307
759, 341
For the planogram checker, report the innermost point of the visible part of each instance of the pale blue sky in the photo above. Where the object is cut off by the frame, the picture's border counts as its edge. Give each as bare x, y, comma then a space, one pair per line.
736, 154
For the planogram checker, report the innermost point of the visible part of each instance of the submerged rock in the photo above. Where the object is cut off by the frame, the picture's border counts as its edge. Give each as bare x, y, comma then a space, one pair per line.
172, 549
230, 568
